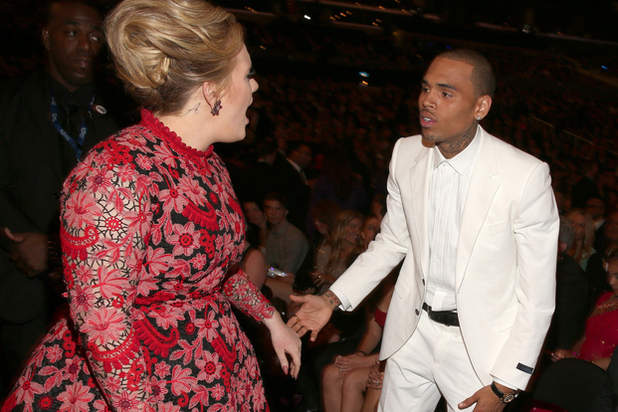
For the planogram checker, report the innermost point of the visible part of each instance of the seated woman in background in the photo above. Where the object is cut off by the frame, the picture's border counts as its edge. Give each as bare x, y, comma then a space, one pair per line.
601, 334
583, 225
324, 218
257, 227
345, 329
344, 381
371, 227
343, 247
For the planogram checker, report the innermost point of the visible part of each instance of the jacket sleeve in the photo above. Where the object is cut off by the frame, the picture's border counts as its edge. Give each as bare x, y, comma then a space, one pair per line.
536, 228
104, 224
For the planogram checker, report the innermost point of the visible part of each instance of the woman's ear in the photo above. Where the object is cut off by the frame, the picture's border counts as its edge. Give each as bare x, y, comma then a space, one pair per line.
210, 94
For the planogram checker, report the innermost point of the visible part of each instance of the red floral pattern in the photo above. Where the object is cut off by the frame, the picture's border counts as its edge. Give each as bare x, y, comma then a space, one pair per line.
150, 227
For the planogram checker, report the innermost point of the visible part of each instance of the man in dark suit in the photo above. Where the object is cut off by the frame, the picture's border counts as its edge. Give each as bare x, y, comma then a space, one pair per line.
596, 270
48, 122
291, 181
262, 175
569, 317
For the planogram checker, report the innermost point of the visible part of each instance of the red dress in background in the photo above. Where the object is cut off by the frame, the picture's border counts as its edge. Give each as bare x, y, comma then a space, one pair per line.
150, 227
601, 329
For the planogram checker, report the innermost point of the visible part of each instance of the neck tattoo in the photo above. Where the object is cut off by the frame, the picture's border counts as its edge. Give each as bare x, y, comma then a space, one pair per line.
194, 109
449, 150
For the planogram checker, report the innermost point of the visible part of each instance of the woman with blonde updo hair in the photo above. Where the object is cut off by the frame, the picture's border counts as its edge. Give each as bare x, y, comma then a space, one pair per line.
150, 227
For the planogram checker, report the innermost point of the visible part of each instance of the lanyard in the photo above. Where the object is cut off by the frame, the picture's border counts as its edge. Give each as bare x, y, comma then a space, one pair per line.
75, 144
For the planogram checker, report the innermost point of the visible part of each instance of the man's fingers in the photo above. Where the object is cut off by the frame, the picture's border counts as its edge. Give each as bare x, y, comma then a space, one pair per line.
468, 402
13, 236
299, 299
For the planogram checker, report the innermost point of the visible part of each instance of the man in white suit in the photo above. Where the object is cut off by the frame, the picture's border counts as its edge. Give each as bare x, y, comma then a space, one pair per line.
476, 222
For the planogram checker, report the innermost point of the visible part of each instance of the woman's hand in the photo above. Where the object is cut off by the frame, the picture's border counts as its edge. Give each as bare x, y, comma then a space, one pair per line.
285, 342
562, 354
376, 376
320, 279
355, 360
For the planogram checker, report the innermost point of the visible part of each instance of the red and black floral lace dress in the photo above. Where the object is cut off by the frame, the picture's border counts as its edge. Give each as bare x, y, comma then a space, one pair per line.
149, 228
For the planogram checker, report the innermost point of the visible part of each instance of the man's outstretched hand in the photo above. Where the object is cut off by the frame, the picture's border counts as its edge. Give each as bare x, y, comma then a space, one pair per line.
313, 314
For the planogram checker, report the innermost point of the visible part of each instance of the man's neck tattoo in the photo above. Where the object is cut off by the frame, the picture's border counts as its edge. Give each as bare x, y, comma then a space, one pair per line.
449, 150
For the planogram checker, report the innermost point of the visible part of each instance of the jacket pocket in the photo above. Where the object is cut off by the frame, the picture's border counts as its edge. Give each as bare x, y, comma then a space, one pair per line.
495, 228
506, 320
401, 290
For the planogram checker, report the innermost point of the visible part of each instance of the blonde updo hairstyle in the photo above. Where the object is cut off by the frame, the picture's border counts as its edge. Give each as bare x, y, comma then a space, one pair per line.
164, 49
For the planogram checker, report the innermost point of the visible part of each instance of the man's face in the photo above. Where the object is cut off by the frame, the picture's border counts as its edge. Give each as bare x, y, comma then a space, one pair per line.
448, 103
596, 208
303, 156
611, 228
73, 40
275, 212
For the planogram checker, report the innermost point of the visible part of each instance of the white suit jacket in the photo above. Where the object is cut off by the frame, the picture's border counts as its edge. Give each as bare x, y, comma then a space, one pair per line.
506, 256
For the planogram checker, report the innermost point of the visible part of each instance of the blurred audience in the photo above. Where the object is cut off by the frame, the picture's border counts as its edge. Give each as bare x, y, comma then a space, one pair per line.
345, 381
601, 333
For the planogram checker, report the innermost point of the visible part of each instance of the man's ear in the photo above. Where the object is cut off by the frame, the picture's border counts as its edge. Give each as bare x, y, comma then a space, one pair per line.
45, 37
483, 104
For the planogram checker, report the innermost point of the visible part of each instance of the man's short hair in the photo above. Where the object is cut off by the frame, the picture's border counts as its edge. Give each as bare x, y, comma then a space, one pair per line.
612, 256
45, 8
265, 148
283, 201
483, 77
296, 145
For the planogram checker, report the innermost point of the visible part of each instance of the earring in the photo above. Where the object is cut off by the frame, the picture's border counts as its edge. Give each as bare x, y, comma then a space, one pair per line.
478, 118
215, 109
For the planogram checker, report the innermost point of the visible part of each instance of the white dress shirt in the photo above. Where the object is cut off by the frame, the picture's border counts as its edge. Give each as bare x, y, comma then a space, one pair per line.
450, 180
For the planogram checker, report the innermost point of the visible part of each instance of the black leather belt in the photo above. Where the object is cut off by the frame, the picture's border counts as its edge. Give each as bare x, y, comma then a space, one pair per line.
445, 317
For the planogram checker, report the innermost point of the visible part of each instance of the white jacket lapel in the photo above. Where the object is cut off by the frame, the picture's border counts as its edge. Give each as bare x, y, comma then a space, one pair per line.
482, 190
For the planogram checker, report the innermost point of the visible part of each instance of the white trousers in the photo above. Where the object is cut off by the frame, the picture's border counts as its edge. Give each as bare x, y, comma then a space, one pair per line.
433, 361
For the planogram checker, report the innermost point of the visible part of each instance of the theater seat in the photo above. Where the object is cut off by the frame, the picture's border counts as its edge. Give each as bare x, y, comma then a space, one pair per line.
569, 384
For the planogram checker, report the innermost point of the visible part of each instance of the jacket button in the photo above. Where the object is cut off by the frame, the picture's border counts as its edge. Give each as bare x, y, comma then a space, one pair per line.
416, 311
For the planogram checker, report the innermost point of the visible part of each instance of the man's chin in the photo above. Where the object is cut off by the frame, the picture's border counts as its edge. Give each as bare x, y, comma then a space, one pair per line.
429, 137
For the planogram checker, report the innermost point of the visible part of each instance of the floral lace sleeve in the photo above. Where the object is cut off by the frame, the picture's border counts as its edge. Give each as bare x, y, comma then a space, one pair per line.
105, 220
245, 296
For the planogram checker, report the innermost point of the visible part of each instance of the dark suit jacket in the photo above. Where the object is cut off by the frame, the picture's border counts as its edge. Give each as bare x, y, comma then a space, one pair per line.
597, 277
607, 396
571, 305
31, 178
290, 183
261, 181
